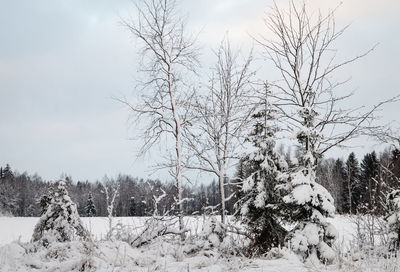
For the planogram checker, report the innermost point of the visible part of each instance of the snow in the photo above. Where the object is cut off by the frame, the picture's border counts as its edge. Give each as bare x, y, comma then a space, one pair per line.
157, 256
21, 228
305, 190
248, 184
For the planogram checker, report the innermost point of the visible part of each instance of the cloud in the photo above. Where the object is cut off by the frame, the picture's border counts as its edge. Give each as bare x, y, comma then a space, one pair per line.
60, 61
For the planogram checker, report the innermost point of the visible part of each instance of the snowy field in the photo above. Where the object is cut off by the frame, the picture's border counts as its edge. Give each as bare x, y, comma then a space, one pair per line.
158, 256
21, 228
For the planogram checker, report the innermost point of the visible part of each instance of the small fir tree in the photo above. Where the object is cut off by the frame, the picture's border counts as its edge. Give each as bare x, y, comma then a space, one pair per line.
261, 204
90, 207
307, 202
61, 221
7, 172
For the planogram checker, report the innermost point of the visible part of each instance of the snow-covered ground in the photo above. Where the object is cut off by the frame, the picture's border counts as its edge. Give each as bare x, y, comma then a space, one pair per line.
14, 228
157, 256
21, 228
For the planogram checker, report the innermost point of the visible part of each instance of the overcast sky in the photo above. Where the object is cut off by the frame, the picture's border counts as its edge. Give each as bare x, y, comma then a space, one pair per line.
62, 61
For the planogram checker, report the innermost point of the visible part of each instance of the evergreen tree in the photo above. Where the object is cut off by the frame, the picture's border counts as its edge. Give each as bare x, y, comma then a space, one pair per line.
132, 207
90, 207
261, 204
369, 181
339, 174
61, 221
44, 203
7, 172
307, 202
352, 190
142, 207
9, 196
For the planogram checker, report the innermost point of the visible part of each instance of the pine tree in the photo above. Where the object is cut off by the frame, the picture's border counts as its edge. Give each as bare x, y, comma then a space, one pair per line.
61, 221
351, 194
368, 182
132, 206
307, 202
9, 196
260, 205
90, 207
339, 174
7, 172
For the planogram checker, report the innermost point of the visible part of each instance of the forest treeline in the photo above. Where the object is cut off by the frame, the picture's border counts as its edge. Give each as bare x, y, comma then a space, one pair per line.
356, 186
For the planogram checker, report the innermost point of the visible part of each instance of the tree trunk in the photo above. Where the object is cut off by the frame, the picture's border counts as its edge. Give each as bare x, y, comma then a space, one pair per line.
178, 151
222, 194
349, 188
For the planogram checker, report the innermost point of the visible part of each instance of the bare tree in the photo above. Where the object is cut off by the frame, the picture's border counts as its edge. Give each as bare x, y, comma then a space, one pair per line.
111, 191
331, 173
168, 55
222, 116
308, 99
389, 134
303, 52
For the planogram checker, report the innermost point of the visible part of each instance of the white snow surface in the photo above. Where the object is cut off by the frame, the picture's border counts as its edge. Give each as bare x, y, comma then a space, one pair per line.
157, 256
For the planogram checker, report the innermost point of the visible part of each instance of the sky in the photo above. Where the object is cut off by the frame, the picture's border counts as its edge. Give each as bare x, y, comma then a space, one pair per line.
62, 62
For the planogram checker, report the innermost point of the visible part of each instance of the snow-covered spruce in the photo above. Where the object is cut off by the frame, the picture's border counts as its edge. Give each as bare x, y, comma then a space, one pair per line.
61, 221
261, 205
394, 220
90, 207
308, 203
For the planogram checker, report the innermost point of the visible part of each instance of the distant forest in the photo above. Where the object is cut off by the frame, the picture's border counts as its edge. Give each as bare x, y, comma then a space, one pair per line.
356, 186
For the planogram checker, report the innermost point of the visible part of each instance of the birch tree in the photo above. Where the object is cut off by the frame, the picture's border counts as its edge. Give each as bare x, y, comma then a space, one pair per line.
168, 56
302, 51
222, 115
301, 47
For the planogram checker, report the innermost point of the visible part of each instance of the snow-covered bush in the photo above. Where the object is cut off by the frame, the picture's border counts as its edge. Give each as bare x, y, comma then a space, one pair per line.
213, 232
155, 226
61, 221
394, 220
370, 232
216, 239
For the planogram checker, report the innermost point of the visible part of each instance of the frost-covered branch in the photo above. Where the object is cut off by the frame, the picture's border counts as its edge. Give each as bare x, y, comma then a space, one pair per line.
111, 192
221, 117
168, 54
302, 50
